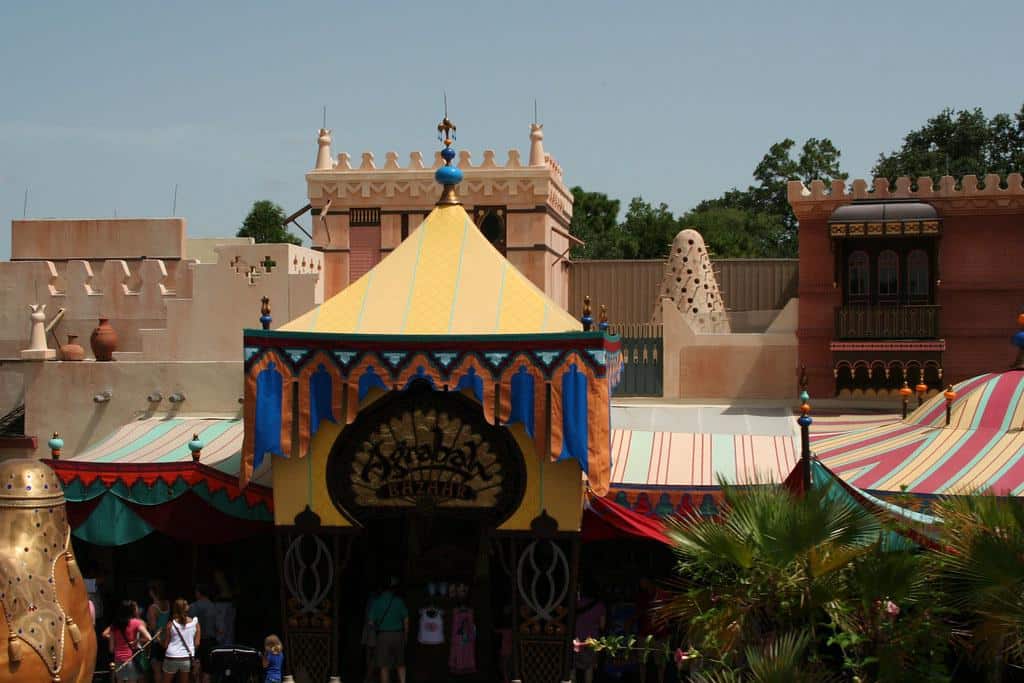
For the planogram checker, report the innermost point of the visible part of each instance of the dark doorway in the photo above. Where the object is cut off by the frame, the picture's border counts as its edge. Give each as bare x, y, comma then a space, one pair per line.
443, 565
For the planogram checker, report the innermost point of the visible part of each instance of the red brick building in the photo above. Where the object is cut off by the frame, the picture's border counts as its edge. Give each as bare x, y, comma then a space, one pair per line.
899, 283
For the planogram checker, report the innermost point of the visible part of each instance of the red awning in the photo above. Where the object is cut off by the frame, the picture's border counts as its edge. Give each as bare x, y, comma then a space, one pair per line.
605, 520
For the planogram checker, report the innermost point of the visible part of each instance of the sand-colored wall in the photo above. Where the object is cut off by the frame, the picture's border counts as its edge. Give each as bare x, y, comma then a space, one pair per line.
97, 238
555, 487
59, 396
196, 312
729, 366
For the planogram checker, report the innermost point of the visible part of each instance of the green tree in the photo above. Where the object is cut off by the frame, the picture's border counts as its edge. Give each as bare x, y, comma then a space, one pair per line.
732, 232
958, 143
766, 203
595, 220
265, 223
649, 230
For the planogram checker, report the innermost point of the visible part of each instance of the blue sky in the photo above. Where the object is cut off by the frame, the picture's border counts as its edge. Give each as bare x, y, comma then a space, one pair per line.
105, 106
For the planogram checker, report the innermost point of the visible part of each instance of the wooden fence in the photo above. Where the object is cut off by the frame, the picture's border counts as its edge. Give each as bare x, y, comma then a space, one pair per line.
630, 288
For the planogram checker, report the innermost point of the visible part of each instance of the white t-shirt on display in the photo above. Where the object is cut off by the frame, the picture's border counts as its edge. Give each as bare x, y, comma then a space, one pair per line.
431, 627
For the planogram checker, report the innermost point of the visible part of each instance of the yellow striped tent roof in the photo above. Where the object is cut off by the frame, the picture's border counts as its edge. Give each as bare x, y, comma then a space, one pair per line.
446, 278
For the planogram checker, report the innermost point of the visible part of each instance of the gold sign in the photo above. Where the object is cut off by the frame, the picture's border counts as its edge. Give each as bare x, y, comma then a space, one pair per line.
426, 455
426, 449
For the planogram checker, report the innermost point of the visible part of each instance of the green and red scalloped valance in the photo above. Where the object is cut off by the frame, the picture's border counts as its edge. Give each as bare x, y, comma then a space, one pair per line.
116, 504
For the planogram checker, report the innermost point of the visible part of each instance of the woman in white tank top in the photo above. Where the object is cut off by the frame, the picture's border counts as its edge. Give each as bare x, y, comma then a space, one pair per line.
181, 640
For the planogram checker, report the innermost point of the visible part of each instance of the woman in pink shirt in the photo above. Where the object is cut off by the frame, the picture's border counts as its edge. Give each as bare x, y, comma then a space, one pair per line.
127, 635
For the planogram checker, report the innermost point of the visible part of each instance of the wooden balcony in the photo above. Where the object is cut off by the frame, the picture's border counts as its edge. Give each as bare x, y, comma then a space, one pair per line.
887, 322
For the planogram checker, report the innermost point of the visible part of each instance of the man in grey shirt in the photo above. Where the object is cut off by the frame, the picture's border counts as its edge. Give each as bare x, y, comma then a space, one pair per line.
204, 610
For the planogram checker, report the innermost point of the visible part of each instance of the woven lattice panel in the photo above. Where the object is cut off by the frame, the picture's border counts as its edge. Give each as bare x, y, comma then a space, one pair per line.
309, 656
541, 661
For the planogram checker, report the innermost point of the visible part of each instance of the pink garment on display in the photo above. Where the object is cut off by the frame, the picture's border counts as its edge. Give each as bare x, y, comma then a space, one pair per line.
462, 659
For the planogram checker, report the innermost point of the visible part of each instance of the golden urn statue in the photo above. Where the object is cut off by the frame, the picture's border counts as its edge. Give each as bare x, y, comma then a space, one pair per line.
45, 609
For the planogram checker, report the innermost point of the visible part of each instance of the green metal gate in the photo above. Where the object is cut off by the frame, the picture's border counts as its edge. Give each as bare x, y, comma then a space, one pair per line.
642, 360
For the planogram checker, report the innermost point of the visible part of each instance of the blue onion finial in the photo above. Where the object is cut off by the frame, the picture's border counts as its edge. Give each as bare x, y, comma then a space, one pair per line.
56, 444
449, 176
265, 318
195, 446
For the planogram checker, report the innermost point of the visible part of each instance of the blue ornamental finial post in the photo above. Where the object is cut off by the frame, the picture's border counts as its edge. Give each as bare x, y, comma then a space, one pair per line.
449, 176
1018, 341
603, 319
805, 438
265, 318
588, 318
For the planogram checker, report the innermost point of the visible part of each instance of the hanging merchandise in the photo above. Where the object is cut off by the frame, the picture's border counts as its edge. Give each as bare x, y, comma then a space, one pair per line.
462, 659
431, 626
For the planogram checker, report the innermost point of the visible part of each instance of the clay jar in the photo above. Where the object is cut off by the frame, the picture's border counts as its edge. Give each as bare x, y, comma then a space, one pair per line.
103, 341
72, 351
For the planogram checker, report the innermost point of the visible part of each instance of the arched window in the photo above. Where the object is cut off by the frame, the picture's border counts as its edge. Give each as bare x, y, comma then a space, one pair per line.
858, 275
888, 275
917, 274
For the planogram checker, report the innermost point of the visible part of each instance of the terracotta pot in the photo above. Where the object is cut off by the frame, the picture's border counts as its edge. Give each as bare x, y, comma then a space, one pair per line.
72, 350
103, 341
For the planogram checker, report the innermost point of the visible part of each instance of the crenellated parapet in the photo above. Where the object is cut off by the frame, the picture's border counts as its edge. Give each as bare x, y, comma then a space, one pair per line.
950, 196
190, 311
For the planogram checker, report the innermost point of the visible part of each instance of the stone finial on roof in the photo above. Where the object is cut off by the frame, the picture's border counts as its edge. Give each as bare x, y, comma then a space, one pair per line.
537, 145
323, 153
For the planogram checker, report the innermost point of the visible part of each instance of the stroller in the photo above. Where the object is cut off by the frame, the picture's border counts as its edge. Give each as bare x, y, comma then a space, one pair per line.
235, 665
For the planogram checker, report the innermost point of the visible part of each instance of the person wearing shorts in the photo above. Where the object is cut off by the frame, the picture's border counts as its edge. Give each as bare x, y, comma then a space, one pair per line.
389, 617
182, 638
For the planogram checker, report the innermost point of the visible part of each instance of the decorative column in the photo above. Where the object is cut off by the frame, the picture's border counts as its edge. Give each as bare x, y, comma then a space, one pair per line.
37, 348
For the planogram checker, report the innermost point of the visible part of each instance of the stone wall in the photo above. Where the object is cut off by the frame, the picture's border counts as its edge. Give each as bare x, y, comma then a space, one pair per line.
191, 312
59, 396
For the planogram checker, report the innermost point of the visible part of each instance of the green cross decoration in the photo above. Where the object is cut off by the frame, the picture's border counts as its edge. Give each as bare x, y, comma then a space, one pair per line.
268, 263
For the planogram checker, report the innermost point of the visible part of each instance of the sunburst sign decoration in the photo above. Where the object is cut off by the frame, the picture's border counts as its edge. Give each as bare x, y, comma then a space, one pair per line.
425, 449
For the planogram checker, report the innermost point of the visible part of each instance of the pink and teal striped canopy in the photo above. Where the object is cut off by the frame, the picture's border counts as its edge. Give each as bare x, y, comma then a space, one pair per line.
982, 449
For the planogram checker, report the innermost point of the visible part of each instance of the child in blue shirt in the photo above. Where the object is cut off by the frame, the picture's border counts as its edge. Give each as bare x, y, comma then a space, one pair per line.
273, 659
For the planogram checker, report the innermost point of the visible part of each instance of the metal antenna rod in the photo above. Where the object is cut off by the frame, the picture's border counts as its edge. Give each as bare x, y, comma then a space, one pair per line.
445, 95
24, 205
535, 110
325, 117
174, 202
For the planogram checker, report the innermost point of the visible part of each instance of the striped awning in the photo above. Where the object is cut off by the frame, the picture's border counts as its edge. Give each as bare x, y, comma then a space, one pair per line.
165, 440
653, 460
981, 449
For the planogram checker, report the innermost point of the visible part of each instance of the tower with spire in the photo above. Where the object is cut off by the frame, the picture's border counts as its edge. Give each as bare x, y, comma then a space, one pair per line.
363, 206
